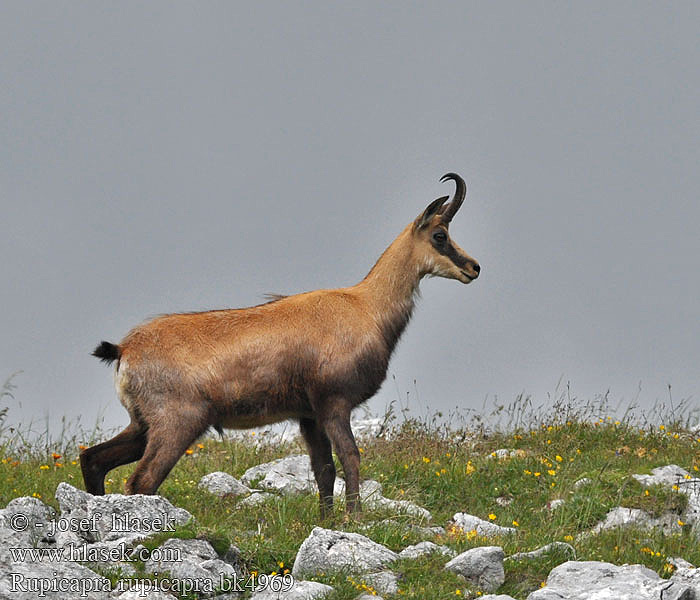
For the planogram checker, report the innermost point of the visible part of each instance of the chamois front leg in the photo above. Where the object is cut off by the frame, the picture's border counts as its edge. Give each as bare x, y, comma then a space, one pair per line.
319, 447
336, 423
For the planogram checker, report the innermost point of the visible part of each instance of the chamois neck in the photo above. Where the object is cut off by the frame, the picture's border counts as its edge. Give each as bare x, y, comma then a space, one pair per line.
392, 283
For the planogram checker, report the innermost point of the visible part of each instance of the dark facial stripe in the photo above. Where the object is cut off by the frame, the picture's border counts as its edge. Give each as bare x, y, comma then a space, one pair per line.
448, 250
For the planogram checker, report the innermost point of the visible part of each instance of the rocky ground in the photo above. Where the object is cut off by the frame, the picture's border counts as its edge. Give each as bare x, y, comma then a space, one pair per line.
87, 548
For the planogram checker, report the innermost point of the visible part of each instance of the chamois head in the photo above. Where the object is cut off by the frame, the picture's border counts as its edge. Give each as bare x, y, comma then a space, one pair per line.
439, 255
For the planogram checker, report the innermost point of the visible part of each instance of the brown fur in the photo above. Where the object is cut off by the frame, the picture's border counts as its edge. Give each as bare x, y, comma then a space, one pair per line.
311, 357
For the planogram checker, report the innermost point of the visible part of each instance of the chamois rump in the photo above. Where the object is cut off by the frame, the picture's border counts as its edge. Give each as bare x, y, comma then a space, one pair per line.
312, 357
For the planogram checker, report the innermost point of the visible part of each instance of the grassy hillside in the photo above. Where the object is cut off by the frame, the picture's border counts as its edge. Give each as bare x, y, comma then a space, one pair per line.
445, 471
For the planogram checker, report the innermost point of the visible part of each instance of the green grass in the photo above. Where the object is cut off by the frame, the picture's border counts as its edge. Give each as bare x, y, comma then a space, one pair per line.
445, 471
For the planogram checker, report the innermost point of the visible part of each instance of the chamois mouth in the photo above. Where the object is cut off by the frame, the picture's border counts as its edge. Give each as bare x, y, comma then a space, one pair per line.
467, 278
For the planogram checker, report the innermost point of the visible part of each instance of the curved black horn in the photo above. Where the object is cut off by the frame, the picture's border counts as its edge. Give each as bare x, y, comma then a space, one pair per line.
460, 193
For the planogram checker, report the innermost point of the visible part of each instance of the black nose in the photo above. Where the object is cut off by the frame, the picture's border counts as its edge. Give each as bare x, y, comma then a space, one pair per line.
477, 268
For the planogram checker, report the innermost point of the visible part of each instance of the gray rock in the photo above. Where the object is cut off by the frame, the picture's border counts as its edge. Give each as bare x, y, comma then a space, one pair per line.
119, 518
257, 498
496, 597
505, 453
626, 517
481, 566
372, 497
686, 577
483, 528
368, 597
423, 549
71, 498
428, 531
605, 581
301, 590
556, 503
673, 475
288, 475
558, 547
691, 514
24, 522
679, 563
193, 559
326, 551
222, 484
583, 482
668, 475
384, 582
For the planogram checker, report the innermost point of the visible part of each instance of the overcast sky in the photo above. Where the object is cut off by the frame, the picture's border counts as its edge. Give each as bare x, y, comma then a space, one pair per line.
169, 156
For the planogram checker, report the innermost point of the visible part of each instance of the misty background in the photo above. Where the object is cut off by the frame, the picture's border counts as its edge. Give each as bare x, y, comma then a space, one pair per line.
168, 156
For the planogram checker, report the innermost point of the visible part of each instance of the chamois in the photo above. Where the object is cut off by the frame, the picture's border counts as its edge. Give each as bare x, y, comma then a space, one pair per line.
312, 357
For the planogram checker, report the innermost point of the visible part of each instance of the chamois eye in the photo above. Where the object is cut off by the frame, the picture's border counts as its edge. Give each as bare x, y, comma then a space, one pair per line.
440, 237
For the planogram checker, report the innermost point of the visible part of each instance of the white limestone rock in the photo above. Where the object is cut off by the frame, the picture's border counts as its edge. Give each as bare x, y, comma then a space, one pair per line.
423, 549
326, 551
289, 475
667, 475
604, 581
482, 566
483, 528
384, 582
119, 518
554, 547
222, 484
621, 516
301, 590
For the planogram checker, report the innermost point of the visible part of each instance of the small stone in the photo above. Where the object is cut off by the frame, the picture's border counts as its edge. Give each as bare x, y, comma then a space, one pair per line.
424, 549
621, 516
558, 547
384, 582
554, 504
289, 475
257, 498
679, 563
668, 475
505, 453
301, 590
222, 484
482, 566
483, 528
583, 482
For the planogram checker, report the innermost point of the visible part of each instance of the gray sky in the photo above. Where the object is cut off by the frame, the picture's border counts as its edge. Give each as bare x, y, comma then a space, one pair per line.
167, 156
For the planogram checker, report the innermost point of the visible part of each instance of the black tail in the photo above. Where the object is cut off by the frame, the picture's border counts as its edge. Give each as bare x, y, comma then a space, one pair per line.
107, 352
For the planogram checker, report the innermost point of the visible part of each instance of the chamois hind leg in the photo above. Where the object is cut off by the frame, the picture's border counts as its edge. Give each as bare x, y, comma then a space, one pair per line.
336, 424
97, 461
319, 447
168, 439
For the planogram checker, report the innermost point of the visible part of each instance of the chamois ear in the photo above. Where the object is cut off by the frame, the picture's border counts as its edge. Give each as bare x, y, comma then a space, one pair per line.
433, 208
